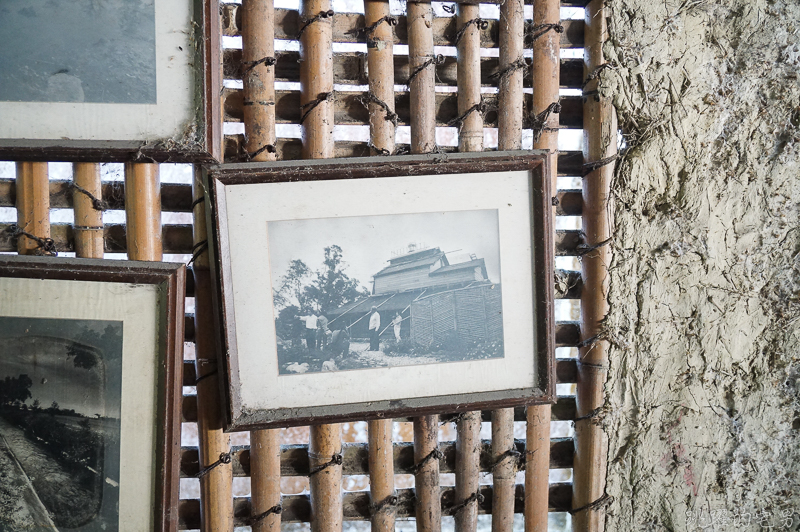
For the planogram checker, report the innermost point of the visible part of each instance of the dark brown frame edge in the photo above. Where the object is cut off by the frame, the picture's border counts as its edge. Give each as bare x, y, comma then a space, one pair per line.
208, 84
215, 178
171, 278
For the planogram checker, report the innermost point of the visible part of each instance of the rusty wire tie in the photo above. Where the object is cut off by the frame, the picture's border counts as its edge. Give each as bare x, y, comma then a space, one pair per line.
516, 65
224, 458
389, 503
511, 453
434, 454
197, 202
479, 107
540, 120
475, 497
253, 520
250, 65
97, 203
605, 500
591, 167
594, 74
198, 250
480, 23
541, 29
336, 459
269, 148
388, 19
310, 106
390, 116
583, 249
207, 375
432, 60
381, 151
307, 22
595, 416
44, 246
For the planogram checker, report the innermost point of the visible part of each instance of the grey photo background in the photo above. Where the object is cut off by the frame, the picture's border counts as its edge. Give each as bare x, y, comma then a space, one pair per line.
93, 51
60, 393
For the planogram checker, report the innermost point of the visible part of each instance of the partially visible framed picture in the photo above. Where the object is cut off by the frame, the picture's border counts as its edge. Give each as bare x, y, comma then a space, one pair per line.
90, 390
110, 80
394, 286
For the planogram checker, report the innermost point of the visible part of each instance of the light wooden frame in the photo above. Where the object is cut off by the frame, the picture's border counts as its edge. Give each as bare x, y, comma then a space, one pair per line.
216, 179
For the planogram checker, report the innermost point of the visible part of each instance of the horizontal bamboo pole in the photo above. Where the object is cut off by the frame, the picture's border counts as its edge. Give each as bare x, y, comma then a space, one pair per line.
293, 459
566, 372
349, 68
346, 26
178, 197
563, 410
569, 162
297, 508
350, 110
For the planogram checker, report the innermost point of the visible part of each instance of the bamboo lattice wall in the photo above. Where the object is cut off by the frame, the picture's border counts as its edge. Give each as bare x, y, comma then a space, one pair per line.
489, 47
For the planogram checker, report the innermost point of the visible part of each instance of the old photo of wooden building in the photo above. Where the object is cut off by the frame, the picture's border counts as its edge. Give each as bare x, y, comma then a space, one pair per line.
419, 304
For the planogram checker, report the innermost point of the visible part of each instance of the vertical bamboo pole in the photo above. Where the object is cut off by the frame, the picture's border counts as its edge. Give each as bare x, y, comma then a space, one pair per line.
600, 133
470, 138
33, 205
316, 98
325, 478
546, 71
216, 495
380, 63
512, 25
265, 480
381, 475
143, 211
426, 479
504, 471
316, 79
258, 78
422, 69
470, 135
468, 471
422, 65
88, 226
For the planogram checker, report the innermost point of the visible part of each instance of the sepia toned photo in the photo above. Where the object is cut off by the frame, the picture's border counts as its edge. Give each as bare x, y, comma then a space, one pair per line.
60, 389
382, 291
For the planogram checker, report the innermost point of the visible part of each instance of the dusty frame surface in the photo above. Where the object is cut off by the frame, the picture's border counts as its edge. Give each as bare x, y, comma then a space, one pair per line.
353, 183
64, 101
149, 358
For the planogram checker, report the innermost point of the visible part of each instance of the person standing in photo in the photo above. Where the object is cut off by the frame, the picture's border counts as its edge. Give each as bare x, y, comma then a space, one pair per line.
374, 330
311, 330
322, 331
397, 323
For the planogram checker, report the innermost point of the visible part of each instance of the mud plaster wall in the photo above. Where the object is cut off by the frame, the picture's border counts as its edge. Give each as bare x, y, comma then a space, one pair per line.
703, 395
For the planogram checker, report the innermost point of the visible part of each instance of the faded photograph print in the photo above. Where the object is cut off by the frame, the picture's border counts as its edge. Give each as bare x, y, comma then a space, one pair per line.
379, 291
60, 390
92, 51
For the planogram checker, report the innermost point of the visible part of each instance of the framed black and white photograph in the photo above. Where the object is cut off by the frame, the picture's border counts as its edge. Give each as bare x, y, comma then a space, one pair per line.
109, 80
399, 286
90, 366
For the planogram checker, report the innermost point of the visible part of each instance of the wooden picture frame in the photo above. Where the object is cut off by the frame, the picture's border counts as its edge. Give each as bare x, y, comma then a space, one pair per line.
102, 340
105, 82
265, 215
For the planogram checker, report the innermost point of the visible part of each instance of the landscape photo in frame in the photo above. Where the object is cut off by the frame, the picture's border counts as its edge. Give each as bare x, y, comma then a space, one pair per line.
60, 391
365, 292
349, 290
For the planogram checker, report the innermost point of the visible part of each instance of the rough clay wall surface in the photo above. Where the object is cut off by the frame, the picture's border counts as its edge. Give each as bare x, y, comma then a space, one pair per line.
703, 396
